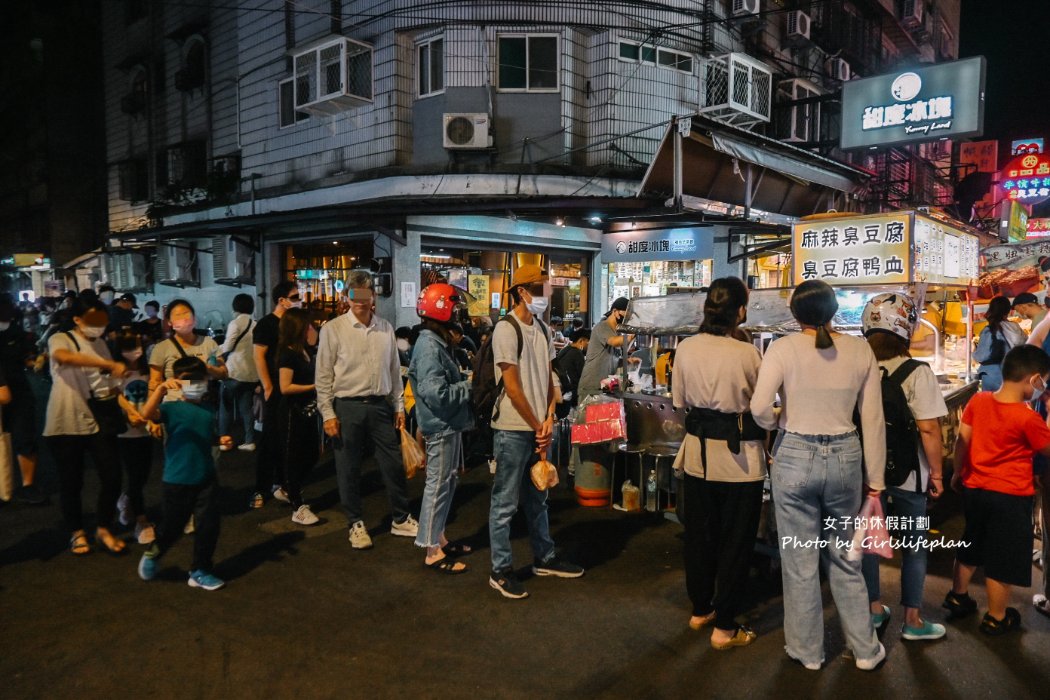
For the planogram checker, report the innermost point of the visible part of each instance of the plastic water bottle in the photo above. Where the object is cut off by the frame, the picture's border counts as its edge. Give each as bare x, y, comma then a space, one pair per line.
650, 492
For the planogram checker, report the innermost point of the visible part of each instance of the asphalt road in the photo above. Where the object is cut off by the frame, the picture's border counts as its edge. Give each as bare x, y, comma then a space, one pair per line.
304, 616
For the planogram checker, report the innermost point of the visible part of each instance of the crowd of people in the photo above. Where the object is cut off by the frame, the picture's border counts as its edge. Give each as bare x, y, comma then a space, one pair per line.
828, 419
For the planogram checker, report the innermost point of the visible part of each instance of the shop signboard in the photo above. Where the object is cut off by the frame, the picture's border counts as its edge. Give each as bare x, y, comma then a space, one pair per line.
478, 288
854, 250
898, 248
1014, 222
1015, 256
1026, 146
1026, 179
656, 245
1038, 228
945, 100
983, 155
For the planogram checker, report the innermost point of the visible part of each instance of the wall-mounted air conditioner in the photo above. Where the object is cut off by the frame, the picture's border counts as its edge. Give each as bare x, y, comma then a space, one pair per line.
333, 76
838, 69
736, 89
744, 8
797, 28
176, 265
233, 262
800, 124
912, 13
466, 131
126, 271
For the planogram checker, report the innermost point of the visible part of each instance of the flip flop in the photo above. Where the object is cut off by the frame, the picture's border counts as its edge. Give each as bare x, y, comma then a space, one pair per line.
741, 638
456, 549
118, 544
444, 566
79, 545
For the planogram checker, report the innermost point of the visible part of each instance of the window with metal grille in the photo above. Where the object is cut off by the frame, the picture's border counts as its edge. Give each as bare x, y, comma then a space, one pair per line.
188, 164
528, 63
430, 67
133, 179
288, 114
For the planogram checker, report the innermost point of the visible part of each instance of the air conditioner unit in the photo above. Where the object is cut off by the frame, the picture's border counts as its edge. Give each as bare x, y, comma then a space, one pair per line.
333, 77
736, 89
838, 68
464, 131
126, 271
744, 8
801, 123
233, 262
797, 27
912, 13
176, 265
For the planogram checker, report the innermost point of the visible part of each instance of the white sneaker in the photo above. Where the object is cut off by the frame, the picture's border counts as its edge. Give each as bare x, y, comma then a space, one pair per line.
408, 527
281, 495
189, 529
304, 516
359, 538
124, 506
872, 663
247, 447
225, 448
145, 533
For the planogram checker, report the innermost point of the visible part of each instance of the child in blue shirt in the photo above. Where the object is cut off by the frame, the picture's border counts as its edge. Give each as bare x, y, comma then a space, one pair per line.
189, 481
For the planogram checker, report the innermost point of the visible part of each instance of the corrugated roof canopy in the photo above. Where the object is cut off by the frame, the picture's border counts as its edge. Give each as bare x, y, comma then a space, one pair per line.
785, 179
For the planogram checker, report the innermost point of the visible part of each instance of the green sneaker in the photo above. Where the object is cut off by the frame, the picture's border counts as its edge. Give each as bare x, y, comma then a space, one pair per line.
927, 632
880, 620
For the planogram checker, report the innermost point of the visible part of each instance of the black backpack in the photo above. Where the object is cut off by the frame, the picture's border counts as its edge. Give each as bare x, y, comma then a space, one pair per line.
485, 390
902, 434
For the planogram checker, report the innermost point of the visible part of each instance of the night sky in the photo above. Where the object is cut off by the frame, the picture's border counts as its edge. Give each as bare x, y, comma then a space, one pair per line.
1012, 35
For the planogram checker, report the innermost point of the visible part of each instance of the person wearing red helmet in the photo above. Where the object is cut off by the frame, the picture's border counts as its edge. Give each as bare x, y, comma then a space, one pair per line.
443, 411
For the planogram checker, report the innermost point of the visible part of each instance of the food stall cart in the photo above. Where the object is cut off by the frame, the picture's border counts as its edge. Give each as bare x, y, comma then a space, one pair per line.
930, 259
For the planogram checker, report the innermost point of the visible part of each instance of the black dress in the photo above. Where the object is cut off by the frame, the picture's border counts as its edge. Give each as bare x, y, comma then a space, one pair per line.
298, 424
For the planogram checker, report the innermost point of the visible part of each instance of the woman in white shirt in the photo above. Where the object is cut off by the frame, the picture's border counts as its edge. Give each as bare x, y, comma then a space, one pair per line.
724, 460
240, 387
817, 471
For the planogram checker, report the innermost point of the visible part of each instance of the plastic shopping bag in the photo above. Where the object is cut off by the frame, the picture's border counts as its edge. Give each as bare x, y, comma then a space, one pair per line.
411, 454
870, 536
544, 475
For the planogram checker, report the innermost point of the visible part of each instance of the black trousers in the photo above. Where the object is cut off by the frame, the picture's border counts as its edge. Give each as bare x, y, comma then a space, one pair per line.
300, 443
721, 521
69, 453
181, 501
269, 464
136, 454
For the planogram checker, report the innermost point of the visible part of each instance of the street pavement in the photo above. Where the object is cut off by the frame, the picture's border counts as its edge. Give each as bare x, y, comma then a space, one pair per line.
304, 616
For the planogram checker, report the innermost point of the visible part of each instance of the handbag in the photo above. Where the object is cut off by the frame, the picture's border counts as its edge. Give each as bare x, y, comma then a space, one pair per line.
246, 331
106, 411
7, 463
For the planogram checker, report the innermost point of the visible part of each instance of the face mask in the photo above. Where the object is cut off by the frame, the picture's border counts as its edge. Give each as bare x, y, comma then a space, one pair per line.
182, 326
1038, 390
194, 390
132, 355
92, 332
537, 306
403, 345
106, 298
151, 312
4, 325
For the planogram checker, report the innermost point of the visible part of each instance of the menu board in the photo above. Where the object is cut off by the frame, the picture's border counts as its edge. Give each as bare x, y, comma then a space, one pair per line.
943, 254
855, 250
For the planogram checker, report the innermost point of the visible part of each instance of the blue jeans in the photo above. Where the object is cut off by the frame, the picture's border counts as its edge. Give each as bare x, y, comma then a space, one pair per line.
444, 454
817, 482
237, 395
910, 505
515, 452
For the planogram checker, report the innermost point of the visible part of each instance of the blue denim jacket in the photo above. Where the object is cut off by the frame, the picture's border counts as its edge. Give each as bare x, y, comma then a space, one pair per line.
442, 392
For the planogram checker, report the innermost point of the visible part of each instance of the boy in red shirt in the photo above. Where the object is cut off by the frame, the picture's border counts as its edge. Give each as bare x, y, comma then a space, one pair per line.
998, 437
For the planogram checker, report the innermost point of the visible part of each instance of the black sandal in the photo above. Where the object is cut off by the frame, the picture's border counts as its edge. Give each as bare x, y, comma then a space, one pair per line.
79, 545
444, 566
456, 549
993, 628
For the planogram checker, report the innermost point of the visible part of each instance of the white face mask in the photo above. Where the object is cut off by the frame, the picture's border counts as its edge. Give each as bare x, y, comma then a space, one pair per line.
297, 304
537, 306
194, 389
106, 298
184, 327
403, 345
151, 312
92, 332
132, 355
4, 325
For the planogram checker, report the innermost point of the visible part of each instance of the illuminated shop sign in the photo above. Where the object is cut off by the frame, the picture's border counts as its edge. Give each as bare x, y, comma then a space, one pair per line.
658, 245
1026, 146
923, 104
1039, 228
1026, 179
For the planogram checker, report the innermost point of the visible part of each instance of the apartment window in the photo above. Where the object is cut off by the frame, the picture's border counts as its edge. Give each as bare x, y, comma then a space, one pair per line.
665, 58
289, 116
134, 180
192, 73
528, 62
188, 164
675, 60
629, 51
430, 64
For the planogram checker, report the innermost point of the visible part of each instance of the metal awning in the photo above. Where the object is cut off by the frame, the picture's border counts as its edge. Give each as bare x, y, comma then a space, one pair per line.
726, 164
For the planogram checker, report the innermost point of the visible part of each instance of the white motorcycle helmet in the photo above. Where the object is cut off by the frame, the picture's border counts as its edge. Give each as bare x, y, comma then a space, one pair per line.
892, 313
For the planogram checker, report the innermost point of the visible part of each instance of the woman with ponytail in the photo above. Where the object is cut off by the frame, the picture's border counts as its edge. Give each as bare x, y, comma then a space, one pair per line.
995, 341
723, 457
821, 468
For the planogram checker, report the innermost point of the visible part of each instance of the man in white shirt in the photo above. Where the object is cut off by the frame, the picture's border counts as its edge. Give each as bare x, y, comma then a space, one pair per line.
521, 421
361, 398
